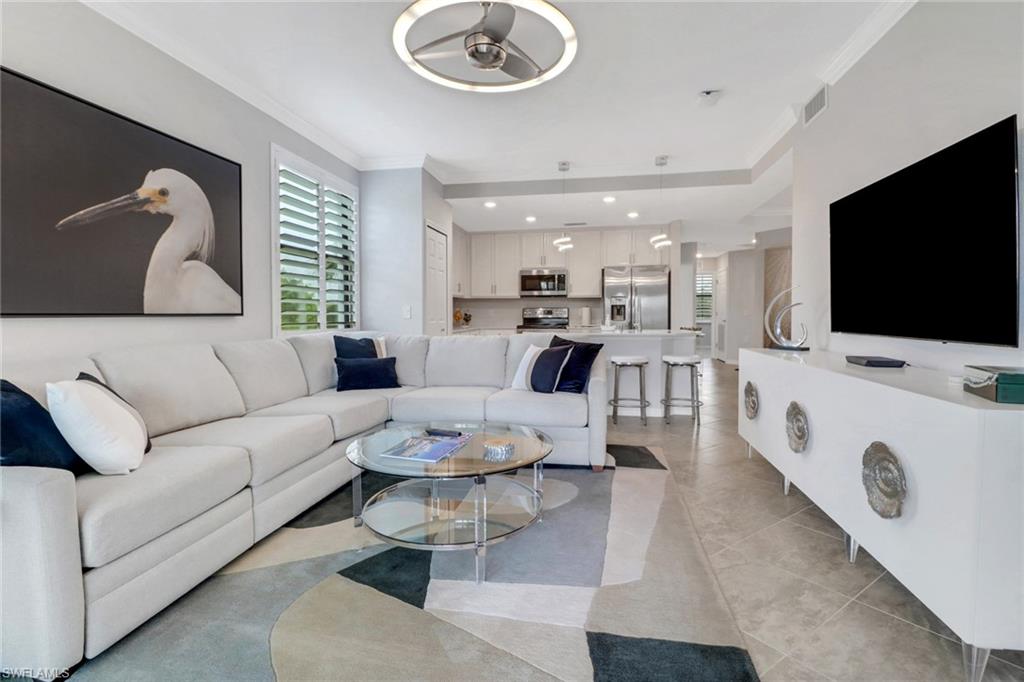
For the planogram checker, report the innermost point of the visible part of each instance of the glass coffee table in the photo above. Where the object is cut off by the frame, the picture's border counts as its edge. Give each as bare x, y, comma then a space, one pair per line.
462, 502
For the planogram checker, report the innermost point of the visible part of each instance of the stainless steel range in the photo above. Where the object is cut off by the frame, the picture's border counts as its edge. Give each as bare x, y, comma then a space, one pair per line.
543, 319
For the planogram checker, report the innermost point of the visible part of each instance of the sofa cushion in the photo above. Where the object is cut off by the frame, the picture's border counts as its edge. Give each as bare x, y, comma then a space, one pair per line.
174, 484
517, 347
29, 437
275, 444
388, 394
441, 403
32, 375
410, 353
267, 372
537, 409
349, 414
173, 387
316, 353
466, 361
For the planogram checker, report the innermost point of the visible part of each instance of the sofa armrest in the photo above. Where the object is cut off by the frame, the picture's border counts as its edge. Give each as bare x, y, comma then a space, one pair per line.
597, 410
42, 605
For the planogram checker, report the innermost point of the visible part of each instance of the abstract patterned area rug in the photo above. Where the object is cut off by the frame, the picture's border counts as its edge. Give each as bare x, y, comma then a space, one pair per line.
612, 584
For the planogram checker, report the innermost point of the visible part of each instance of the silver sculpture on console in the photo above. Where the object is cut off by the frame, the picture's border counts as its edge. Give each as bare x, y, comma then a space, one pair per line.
775, 331
797, 430
884, 480
751, 401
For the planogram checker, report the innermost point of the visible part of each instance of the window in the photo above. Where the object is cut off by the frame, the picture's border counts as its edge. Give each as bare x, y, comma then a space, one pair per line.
704, 285
317, 248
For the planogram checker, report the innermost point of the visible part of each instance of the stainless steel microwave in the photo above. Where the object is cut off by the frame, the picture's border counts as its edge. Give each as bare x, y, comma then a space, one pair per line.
544, 282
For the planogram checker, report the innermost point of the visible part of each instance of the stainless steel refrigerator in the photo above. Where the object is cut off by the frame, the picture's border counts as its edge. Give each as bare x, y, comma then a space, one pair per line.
636, 297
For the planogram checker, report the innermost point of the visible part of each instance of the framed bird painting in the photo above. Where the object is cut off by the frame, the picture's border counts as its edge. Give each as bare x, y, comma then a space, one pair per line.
102, 215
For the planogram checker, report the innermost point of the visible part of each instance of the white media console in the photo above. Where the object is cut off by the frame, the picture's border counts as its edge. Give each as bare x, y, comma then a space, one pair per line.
958, 543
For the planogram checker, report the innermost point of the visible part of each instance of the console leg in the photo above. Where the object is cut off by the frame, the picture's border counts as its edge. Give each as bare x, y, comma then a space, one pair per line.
750, 451
851, 547
785, 486
975, 660
357, 498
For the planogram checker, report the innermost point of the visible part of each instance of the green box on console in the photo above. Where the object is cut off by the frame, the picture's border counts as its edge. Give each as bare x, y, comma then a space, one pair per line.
999, 384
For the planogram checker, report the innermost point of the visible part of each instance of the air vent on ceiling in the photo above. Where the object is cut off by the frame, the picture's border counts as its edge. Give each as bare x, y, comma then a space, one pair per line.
816, 105
575, 224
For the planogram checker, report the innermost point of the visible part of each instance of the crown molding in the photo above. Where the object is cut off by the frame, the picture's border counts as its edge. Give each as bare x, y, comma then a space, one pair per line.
864, 38
117, 13
394, 162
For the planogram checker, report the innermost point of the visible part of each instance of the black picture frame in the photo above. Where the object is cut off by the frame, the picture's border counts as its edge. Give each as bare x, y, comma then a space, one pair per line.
25, 240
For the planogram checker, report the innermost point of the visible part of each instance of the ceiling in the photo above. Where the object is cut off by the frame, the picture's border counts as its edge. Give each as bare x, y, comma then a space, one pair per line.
728, 206
329, 69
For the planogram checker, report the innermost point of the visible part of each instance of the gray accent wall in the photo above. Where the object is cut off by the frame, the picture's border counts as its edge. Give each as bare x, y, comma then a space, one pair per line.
943, 72
71, 47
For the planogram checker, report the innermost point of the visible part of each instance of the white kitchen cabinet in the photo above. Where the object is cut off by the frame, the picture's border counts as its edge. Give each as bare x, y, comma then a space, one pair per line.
506, 265
584, 264
460, 264
553, 258
539, 251
617, 248
481, 252
532, 245
644, 252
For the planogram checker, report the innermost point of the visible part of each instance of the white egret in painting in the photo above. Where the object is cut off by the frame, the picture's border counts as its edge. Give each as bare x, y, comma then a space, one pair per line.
179, 279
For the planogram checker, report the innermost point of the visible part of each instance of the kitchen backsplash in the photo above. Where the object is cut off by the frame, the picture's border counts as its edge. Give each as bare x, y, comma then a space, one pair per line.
507, 313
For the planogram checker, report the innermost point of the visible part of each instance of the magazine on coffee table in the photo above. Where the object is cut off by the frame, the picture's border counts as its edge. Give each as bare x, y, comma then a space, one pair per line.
430, 449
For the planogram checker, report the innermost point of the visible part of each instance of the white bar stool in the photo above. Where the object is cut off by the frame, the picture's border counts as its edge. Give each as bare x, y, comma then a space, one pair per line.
694, 402
640, 362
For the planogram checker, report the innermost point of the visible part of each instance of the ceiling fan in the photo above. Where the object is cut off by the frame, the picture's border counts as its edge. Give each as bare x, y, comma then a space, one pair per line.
486, 44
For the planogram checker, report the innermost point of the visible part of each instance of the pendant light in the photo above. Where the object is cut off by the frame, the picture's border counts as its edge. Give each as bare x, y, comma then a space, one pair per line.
660, 241
563, 242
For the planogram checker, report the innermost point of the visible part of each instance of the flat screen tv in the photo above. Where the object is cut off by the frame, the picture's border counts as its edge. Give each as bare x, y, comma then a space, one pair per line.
931, 251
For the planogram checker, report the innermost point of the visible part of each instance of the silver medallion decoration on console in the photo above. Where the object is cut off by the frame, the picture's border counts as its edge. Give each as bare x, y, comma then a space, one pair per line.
751, 400
884, 480
797, 429
775, 331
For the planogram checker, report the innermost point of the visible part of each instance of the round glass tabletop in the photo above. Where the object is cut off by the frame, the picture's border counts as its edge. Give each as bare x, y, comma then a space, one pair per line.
528, 447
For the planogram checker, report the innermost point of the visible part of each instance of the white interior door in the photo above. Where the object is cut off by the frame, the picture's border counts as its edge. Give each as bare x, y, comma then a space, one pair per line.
437, 283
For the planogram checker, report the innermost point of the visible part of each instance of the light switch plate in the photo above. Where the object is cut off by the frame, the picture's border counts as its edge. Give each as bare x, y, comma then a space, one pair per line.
407, 312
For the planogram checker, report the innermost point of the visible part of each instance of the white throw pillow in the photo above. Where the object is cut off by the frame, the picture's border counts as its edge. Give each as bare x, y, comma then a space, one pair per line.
381, 346
97, 425
521, 381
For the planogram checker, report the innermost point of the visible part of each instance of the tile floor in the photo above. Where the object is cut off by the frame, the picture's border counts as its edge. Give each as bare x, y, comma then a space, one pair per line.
805, 611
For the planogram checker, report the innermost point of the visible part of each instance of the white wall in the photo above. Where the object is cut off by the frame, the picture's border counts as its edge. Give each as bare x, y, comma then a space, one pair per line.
395, 207
392, 248
944, 71
745, 309
72, 48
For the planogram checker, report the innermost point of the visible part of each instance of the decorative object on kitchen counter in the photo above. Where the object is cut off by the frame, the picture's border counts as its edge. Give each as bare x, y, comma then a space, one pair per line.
751, 401
797, 429
775, 332
884, 480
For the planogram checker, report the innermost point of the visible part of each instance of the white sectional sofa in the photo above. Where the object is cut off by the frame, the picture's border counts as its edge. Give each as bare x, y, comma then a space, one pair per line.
246, 435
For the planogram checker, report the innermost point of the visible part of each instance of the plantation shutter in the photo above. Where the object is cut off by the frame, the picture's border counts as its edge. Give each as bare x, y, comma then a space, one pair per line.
299, 223
317, 228
704, 283
339, 260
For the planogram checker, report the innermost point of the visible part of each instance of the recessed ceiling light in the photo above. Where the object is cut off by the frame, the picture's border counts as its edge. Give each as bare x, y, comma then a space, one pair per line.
489, 204
632, 214
531, 218
609, 200
754, 240
700, 255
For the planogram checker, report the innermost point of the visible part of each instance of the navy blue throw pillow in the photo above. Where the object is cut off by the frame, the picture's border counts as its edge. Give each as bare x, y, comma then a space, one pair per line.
576, 373
28, 436
362, 373
345, 347
547, 367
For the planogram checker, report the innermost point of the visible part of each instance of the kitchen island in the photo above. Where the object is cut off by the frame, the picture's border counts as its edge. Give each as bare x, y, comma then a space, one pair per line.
653, 345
